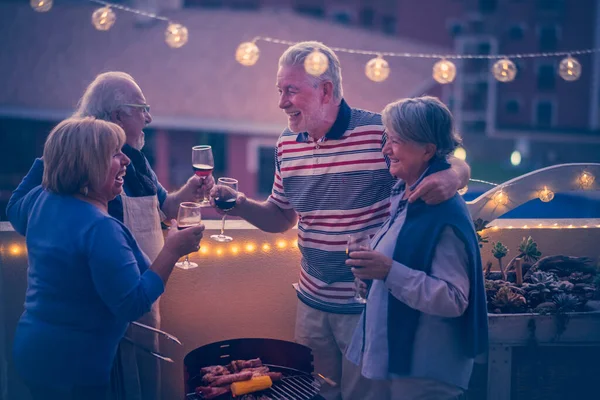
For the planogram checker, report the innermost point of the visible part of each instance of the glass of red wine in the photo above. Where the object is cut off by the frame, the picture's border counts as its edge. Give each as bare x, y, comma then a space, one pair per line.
203, 163
225, 200
358, 242
189, 215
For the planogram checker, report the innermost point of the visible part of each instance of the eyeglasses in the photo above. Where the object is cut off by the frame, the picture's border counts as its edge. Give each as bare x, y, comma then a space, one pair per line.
144, 107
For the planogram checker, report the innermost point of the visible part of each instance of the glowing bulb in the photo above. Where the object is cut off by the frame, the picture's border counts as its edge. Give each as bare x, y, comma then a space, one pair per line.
584, 226
586, 180
250, 247
460, 153
103, 18
504, 70
266, 247
176, 35
219, 251
316, 63
546, 195
235, 249
500, 198
515, 158
495, 228
15, 249
204, 250
525, 226
41, 5
444, 71
569, 69
247, 54
295, 243
377, 69
281, 244
462, 191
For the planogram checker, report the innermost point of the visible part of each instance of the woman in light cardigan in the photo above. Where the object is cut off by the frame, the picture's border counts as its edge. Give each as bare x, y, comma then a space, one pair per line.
425, 318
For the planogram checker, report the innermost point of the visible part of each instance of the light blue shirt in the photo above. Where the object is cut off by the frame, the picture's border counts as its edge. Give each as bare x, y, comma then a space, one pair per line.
441, 296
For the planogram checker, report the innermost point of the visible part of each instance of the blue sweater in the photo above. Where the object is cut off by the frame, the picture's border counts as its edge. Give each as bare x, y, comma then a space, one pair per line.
87, 278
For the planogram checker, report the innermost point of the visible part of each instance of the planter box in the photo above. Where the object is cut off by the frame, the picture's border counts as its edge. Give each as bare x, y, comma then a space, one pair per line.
532, 356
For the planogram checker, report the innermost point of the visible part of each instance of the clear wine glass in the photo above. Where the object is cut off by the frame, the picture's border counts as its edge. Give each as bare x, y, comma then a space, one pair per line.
189, 215
358, 242
225, 200
203, 164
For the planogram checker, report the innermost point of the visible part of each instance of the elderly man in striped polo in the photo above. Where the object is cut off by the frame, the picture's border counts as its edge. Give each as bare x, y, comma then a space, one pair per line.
332, 178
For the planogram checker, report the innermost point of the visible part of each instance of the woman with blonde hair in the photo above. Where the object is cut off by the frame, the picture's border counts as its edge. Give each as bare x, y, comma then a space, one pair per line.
425, 319
87, 276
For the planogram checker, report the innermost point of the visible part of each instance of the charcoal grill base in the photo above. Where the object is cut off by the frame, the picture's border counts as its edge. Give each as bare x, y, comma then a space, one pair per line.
292, 359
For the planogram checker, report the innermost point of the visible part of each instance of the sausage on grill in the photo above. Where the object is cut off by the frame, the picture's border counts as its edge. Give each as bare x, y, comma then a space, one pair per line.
227, 379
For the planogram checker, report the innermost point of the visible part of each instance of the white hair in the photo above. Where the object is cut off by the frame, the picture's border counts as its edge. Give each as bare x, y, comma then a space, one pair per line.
296, 54
106, 93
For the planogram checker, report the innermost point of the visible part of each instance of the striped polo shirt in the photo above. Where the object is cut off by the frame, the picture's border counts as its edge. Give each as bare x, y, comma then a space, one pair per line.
337, 185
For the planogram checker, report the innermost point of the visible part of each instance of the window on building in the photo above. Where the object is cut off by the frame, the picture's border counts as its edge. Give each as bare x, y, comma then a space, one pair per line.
388, 25
266, 169
512, 107
548, 38
544, 113
487, 6
313, 11
367, 17
516, 32
546, 77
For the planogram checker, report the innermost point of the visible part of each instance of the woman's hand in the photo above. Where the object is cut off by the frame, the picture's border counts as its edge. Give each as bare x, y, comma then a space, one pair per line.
369, 264
185, 241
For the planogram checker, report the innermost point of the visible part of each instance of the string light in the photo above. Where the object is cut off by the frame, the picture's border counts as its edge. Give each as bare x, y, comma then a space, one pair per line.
569, 69
282, 244
176, 35
247, 54
463, 190
500, 198
377, 69
316, 63
460, 153
41, 5
504, 70
15, 249
444, 71
103, 18
546, 195
586, 180
515, 158
266, 247
250, 247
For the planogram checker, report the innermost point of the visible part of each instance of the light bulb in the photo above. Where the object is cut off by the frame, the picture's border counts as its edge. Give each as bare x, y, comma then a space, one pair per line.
15, 249
500, 198
460, 153
569, 69
377, 69
444, 71
103, 18
41, 5
546, 195
247, 54
586, 180
504, 70
316, 63
463, 190
515, 158
176, 35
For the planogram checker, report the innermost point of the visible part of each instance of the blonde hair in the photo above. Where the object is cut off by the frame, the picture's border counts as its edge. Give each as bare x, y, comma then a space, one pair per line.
105, 94
77, 154
296, 54
422, 120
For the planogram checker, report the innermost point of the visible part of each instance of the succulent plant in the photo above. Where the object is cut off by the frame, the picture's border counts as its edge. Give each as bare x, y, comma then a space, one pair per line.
499, 251
508, 301
480, 225
566, 302
529, 251
580, 277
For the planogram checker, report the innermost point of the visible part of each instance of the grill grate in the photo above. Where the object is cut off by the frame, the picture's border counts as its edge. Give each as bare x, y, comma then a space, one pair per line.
295, 385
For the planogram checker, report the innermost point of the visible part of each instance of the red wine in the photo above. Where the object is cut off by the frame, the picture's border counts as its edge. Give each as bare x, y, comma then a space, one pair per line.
226, 204
202, 169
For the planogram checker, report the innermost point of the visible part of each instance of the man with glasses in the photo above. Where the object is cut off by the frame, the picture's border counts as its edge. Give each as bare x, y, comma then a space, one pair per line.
144, 203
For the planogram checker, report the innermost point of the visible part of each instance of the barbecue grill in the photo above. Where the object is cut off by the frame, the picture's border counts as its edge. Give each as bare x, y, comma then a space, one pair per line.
293, 360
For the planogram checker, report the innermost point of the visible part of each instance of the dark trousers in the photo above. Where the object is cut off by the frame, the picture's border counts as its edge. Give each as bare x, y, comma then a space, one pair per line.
39, 392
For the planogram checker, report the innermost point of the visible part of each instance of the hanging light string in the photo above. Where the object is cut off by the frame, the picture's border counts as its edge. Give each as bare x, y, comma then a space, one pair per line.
442, 56
131, 10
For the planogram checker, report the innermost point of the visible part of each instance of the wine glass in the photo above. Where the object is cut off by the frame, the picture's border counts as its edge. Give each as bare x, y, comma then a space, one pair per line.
225, 200
358, 242
203, 164
188, 215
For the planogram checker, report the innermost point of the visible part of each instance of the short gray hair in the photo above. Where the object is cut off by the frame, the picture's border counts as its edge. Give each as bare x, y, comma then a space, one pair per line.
423, 120
77, 154
296, 54
105, 94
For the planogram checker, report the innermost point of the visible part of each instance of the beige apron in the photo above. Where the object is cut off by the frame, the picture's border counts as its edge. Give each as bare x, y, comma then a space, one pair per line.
141, 371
